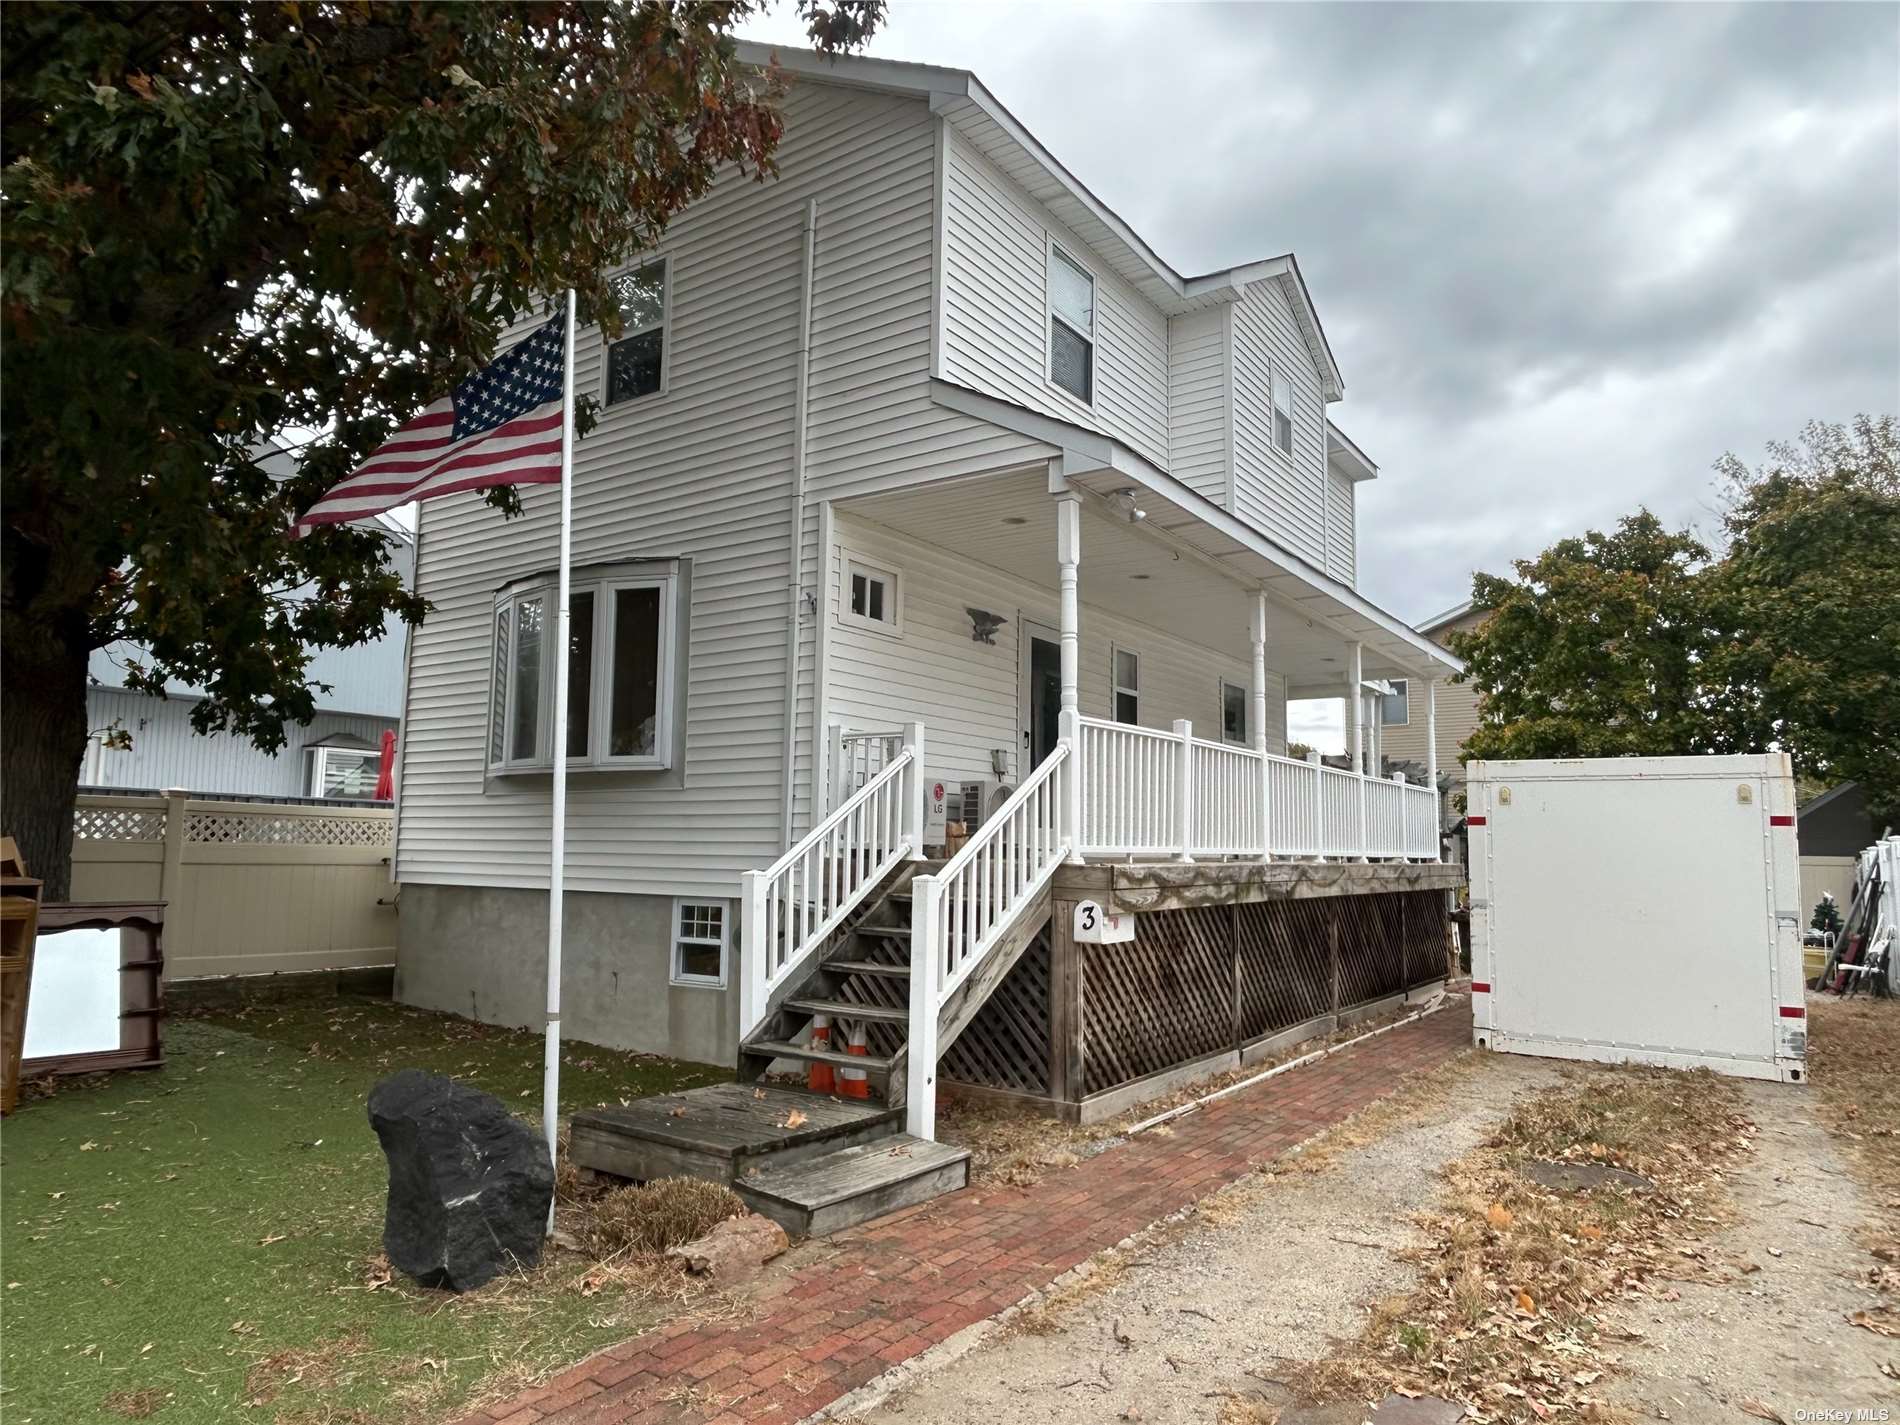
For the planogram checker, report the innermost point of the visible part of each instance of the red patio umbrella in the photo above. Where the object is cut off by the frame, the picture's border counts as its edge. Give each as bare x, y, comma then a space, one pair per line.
386, 773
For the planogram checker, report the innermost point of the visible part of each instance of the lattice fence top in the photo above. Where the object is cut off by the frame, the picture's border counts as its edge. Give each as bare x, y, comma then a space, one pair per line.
243, 828
118, 824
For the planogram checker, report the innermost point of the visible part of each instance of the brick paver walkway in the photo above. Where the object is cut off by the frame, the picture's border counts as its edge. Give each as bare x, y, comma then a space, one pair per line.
897, 1286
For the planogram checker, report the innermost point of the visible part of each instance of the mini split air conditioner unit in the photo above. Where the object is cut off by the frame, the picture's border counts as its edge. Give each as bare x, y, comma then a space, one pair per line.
979, 799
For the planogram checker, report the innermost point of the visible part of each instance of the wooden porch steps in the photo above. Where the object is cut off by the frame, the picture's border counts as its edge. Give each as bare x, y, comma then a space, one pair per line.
847, 1009
873, 1064
868, 967
853, 1185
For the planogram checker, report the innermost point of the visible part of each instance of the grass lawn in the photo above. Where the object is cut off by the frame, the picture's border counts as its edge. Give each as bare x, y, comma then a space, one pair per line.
201, 1243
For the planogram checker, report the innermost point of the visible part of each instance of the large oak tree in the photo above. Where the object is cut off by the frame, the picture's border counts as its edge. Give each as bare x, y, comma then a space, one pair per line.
226, 221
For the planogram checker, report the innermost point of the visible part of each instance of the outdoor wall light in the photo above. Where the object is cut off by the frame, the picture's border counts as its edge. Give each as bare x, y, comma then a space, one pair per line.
1126, 499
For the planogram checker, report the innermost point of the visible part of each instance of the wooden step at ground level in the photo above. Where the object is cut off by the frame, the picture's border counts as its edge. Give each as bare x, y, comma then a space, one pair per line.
722, 1131
841, 1189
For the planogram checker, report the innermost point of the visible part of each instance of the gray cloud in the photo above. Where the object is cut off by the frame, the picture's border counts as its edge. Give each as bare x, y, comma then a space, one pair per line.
1566, 255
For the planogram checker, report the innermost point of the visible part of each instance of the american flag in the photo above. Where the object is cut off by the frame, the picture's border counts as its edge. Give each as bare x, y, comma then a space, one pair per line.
501, 426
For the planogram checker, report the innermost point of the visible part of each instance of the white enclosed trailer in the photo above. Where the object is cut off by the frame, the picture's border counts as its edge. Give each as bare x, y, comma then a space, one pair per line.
1639, 909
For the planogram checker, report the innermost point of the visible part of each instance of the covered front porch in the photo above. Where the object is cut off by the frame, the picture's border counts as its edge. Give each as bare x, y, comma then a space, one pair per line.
1042, 607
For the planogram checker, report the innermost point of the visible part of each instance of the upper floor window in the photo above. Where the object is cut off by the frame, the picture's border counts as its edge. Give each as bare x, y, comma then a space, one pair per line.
1395, 707
1233, 711
1282, 410
1127, 687
636, 362
619, 672
1071, 325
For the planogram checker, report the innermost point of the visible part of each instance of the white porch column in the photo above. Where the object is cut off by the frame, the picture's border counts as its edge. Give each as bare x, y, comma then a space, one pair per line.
1431, 752
1260, 722
1355, 732
1068, 560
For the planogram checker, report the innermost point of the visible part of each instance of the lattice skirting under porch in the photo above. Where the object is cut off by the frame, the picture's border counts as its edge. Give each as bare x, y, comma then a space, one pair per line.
1192, 984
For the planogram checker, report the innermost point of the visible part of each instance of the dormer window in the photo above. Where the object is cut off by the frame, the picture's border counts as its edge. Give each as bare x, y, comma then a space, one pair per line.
1282, 411
1071, 326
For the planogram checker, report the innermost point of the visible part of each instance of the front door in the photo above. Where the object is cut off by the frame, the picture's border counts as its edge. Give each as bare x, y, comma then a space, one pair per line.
1040, 701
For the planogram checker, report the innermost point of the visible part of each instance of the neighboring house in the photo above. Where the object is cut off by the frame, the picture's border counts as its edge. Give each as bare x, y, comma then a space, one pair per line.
337, 754
1402, 714
781, 543
1831, 830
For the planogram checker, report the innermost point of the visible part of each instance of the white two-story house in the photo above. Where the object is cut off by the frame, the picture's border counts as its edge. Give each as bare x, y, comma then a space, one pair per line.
917, 435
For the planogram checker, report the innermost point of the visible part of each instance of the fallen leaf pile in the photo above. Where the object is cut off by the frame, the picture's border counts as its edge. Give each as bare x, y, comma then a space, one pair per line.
1510, 1311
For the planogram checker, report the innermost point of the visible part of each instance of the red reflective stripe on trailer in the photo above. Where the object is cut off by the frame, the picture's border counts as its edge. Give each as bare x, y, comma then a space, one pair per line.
1474, 821
1781, 821
1793, 1011
1480, 987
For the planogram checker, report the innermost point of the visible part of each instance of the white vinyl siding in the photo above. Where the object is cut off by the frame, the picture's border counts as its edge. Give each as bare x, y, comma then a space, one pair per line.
1283, 495
701, 472
995, 322
1342, 558
965, 693
1198, 411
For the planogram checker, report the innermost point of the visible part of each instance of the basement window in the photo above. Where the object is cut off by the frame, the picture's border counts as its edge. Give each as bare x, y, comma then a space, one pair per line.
1071, 326
701, 937
621, 651
636, 362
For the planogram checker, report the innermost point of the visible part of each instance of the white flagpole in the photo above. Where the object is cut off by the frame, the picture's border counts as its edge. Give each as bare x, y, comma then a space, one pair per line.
557, 849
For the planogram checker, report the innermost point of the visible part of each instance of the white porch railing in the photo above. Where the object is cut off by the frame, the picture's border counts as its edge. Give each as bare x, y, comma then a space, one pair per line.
787, 910
959, 914
856, 756
1147, 793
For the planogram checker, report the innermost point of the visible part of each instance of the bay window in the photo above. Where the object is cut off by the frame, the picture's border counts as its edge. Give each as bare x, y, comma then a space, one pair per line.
621, 654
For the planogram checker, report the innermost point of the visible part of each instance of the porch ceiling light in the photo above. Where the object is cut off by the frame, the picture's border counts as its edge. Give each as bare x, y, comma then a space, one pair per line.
1126, 499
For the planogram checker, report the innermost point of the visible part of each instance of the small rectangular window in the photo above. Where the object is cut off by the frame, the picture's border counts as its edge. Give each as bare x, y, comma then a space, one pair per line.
1395, 708
1127, 687
1071, 326
525, 697
871, 597
636, 362
343, 772
700, 941
1234, 702
1282, 411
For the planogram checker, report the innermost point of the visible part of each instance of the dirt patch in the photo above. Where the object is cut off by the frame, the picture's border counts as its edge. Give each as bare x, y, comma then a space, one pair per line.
1200, 1319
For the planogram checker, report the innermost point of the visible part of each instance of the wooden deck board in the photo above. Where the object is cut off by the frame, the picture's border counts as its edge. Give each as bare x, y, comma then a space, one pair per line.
728, 1120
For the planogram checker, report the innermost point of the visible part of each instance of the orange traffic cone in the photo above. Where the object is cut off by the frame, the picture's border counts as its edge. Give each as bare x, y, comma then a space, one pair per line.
855, 1083
820, 1078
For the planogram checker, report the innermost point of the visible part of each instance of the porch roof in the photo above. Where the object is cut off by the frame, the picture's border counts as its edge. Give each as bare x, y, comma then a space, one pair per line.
1186, 568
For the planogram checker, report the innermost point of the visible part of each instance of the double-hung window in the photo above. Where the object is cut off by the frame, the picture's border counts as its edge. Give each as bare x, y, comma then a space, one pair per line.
621, 644
636, 361
1071, 326
1234, 702
702, 934
1395, 707
1127, 670
343, 772
1282, 410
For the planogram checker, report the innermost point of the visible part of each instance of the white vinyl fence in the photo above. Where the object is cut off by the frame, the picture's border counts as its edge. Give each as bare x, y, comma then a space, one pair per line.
249, 887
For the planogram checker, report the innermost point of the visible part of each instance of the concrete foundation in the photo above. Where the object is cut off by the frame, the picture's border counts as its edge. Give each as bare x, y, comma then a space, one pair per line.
480, 951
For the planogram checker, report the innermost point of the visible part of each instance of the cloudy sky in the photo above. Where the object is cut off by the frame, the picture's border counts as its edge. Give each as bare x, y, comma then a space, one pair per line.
1566, 256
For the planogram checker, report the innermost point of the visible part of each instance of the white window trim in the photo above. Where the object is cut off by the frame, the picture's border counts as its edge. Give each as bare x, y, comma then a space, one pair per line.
664, 326
602, 584
1049, 318
1246, 713
892, 627
1397, 684
1115, 687
320, 765
677, 976
1276, 368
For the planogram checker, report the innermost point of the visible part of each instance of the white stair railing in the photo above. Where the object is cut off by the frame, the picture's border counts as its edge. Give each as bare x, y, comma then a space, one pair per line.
788, 910
959, 914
